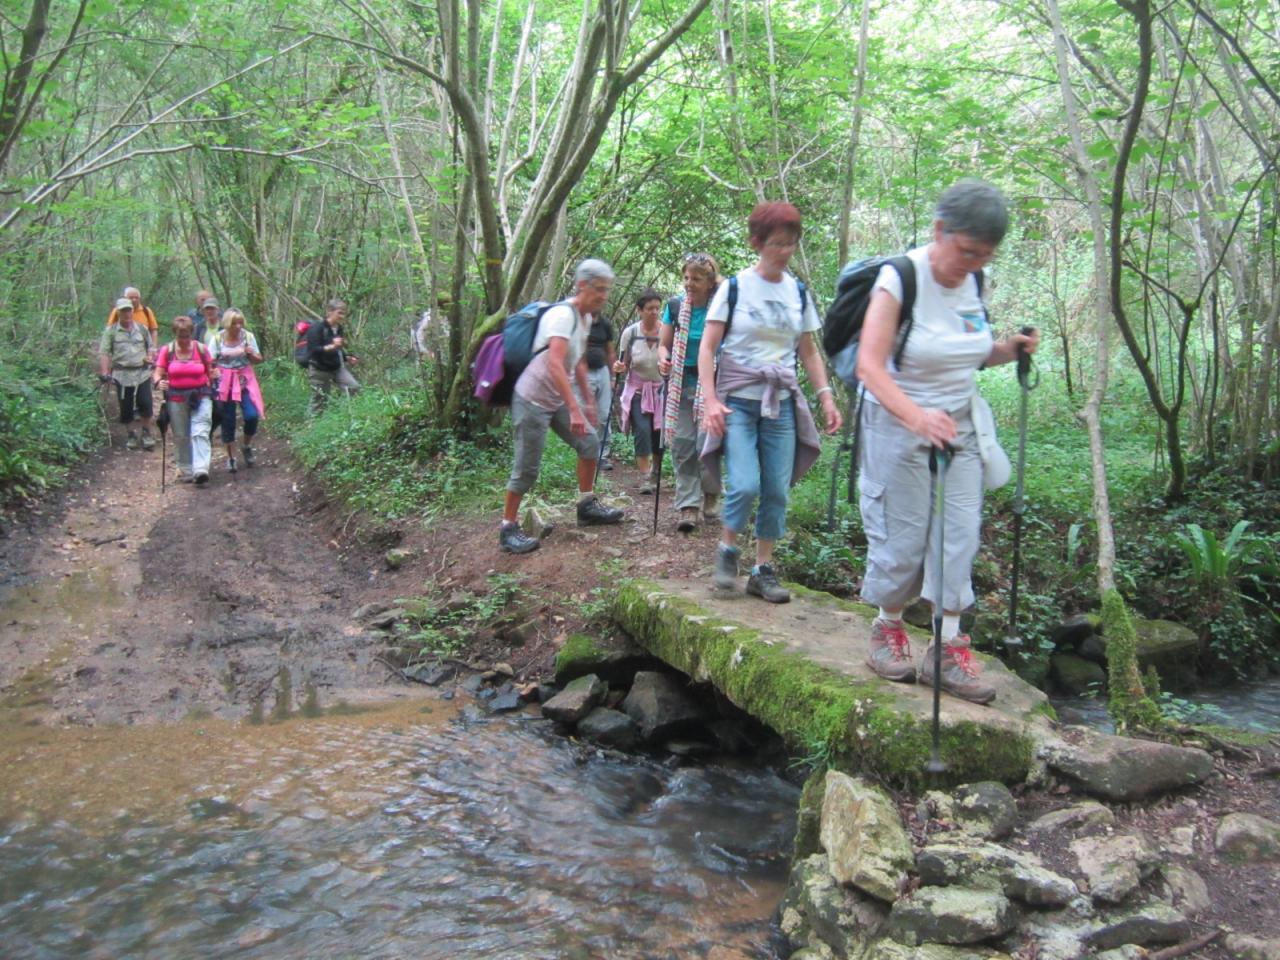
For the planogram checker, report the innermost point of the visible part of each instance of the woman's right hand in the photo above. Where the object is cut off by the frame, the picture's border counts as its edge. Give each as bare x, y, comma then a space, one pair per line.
713, 414
664, 367
935, 426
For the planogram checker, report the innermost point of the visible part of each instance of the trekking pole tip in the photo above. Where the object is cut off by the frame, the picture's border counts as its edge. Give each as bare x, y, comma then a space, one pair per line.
1013, 642
936, 765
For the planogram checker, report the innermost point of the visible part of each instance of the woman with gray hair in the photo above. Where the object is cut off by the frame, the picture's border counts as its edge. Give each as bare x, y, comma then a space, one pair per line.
918, 413
327, 356
544, 400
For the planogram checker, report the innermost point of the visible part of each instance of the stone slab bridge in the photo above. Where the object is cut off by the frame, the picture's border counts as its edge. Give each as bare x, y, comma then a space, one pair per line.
799, 667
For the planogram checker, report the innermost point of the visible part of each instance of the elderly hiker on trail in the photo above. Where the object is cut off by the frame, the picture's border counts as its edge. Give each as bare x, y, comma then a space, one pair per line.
641, 403
754, 411
185, 372
683, 324
326, 356
913, 411
545, 399
205, 318
125, 354
234, 349
142, 315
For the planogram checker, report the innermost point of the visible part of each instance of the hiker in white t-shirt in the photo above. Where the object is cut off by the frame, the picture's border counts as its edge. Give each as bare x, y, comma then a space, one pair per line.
544, 399
752, 402
920, 406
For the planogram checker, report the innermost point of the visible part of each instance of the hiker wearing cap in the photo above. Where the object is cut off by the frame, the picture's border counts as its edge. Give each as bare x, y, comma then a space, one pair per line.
185, 372
754, 412
142, 315
683, 320
326, 353
204, 322
125, 354
234, 349
640, 407
921, 405
545, 400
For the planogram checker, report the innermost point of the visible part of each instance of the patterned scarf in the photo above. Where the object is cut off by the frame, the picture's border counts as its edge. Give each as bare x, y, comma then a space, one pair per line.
675, 386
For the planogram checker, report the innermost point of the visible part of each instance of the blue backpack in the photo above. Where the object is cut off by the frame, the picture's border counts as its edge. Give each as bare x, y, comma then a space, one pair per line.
504, 355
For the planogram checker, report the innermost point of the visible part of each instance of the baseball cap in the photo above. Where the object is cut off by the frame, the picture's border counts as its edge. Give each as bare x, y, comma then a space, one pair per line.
124, 303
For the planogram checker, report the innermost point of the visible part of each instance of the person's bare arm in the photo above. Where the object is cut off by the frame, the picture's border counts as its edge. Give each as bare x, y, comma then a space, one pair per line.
808, 353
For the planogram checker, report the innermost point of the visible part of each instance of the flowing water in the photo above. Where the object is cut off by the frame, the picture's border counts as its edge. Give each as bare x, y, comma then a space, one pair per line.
1251, 706
410, 832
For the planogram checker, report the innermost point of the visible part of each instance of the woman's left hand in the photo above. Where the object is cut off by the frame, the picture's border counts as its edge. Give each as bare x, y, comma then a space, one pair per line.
713, 414
831, 414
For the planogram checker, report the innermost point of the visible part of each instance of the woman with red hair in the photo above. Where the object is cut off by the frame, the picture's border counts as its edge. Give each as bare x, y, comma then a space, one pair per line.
758, 324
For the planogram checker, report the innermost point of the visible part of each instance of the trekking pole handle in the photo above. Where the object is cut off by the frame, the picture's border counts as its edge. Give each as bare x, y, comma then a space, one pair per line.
1024, 358
942, 455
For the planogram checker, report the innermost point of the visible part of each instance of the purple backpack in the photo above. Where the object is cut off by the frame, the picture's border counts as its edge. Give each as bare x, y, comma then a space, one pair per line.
503, 356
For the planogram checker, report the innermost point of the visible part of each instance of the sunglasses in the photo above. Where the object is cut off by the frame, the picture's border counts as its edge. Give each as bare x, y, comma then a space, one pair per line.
703, 259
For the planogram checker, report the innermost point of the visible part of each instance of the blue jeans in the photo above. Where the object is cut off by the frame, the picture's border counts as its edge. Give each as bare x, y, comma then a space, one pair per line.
229, 418
759, 456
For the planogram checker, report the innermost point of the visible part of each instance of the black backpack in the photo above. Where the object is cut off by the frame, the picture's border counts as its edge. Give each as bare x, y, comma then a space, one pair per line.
843, 324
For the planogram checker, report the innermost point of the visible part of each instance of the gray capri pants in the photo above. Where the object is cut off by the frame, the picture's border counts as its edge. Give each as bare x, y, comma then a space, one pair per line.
896, 499
530, 423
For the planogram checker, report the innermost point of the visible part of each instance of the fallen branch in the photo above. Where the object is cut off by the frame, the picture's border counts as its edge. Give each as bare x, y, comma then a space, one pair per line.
99, 541
1187, 946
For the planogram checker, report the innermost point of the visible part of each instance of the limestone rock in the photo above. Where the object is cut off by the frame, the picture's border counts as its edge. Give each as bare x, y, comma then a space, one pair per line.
952, 915
1073, 818
1172, 648
827, 914
537, 523
892, 950
1128, 952
1253, 948
1116, 865
1143, 925
660, 706
576, 700
991, 866
1247, 838
610, 728
1121, 768
1075, 630
986, 809
397, 557
1180, 841
1186, 889
1061, 934
863, 836
1075, 675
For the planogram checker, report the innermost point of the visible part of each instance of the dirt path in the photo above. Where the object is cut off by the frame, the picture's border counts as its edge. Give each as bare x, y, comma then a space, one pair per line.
121, 604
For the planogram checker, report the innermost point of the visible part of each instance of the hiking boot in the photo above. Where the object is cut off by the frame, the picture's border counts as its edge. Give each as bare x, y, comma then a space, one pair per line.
710, 507
606, 463
646, 489
231, 464
511, 539
726, 575
201, 479
890, 654
131, 442
764, 584
593, 513
961, 672
250, 456
688, 521
148, 442
185, 478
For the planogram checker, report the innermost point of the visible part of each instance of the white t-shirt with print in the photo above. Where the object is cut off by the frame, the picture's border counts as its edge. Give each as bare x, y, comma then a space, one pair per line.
535, 384
767, 323
949, 340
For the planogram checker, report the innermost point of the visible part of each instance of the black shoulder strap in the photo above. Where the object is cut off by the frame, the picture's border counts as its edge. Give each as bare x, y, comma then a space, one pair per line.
907, 314
733, 302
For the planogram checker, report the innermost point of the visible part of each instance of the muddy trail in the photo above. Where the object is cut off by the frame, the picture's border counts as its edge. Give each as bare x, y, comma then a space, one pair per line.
128, 604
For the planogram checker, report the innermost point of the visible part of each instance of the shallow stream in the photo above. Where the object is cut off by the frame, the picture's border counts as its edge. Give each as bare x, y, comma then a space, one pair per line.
1252, 706
409, 832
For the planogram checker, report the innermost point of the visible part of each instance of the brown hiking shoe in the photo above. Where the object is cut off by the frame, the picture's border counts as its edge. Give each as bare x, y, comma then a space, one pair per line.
710, 507
890, 654
961, 672
688, 521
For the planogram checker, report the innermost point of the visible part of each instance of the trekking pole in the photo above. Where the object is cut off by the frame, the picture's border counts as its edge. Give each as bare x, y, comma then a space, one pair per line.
938, 463
604, 437
657, 460
162, 424
1012, 641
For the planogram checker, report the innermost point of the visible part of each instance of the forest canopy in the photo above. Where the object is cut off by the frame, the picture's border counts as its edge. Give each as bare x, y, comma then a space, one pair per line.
462, 156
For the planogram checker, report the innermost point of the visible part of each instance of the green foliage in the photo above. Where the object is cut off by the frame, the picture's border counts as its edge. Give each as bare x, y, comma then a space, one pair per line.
48, 421
434, 629
1218, 565
1181, 710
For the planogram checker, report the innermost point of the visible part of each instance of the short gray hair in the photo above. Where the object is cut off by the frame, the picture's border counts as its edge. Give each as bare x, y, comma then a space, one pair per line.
128, 290
976, 208
589, 270
337, 303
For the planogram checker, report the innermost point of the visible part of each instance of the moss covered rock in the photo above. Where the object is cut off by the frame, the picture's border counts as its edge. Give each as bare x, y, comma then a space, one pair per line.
1172, 649
799, 668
